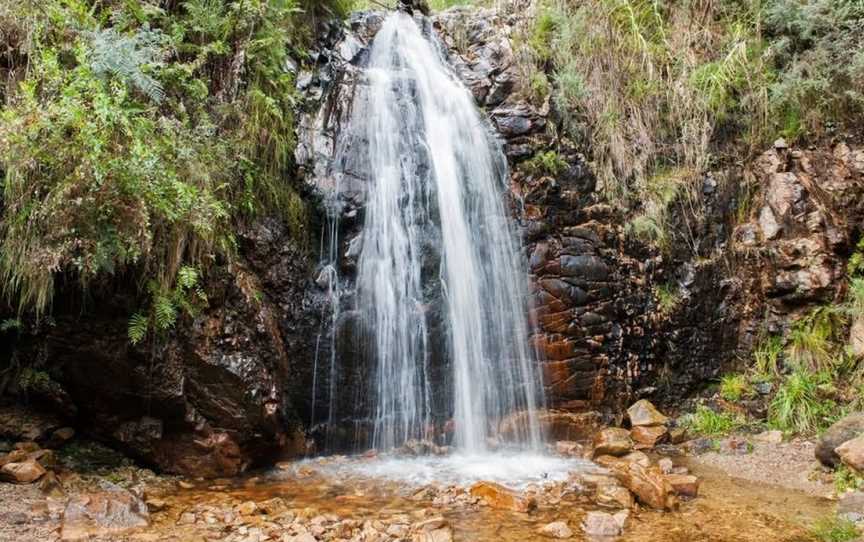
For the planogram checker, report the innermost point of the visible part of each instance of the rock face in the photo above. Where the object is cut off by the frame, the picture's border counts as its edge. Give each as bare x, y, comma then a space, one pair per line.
223, 390
844, 430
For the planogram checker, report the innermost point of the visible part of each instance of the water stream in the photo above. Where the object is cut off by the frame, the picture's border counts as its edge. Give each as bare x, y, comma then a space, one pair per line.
438, 251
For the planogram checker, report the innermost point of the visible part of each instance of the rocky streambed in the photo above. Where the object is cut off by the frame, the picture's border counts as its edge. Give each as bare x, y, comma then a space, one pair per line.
612, 485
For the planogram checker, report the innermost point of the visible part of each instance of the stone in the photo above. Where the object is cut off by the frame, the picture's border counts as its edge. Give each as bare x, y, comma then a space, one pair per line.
46, 458
556, 529
851, 453
648, 435
569, 448
648, 484
444, 534
643, 412
24, 472
13, 457
769, 437
103, 513
430, 524
613, 496
604, 524
637, 457
302, 537
851, 505
856, 337
665, 465
28, 446
500, 497
20, 423
612, 441
684, 485
247, 508
61, 436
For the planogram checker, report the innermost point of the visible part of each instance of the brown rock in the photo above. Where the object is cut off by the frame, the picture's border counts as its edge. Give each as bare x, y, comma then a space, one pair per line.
847, 428
685, 485
13, 457
770, 437
851, 453
444, 534
23, 472
104, 513
648, 435
608, 461
665, 465
501, 497
557, 424
569, 448
613, 496
677, 435
28, 446
46, 458
648, 484
612, 441
644, 413
50, 485
637, 457
61, 436
603, 524
556, 529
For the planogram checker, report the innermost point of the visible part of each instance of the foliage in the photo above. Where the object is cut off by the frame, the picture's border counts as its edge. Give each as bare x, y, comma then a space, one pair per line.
140, 134
846, 479
165, 305
704, 421
801, 403
767, 356
668, 297
814, 338
734, 387
545, 163
835, 529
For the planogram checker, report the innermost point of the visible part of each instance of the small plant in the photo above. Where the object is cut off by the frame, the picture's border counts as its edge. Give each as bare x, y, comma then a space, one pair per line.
705, 421
845, 479
186, 296
668, 297
835, 529
799, 404
767, 356
813, 339
733, 387
545, 163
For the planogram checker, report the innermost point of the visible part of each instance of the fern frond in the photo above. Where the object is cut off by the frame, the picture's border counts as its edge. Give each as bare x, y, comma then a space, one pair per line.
138, 326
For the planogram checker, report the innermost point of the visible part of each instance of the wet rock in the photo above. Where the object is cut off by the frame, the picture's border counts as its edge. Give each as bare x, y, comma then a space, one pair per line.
603, 524
637, 457
569, 448
19, 423
851, 453
61, 436
613, 496
665, 464
556, 529
847, 428
13, 456
685, 485
648, 484
648, 435
24, 472
104, 513
644, 413
50, 485
444, 534
500, 497
612, 441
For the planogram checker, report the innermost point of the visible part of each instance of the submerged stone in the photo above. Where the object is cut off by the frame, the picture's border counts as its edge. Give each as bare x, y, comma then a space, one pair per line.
500, 497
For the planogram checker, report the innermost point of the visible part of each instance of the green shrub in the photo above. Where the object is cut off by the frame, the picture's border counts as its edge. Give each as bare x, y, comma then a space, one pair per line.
705, 421
545, 163
766, 356
814, 340
835, 529
846, 479
800, 404
668, 297
734, 387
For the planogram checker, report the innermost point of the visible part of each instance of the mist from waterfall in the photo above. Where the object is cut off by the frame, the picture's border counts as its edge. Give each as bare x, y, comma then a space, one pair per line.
437, 239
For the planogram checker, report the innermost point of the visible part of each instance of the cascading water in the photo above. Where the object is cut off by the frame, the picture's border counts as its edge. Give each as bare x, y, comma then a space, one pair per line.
437, 246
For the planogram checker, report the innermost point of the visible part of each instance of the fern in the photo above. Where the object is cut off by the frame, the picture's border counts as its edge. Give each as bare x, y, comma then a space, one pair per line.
164, 312
187, 277
138, 326
125, 57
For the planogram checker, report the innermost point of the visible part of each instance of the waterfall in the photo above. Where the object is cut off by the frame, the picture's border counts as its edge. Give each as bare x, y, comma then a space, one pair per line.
437, 246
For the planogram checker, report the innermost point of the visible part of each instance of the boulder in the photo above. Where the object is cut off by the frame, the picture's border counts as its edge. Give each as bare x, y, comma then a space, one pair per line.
642, 412
612, 441
500, 497
612, 495
648, 435
556, 529
569, 448
684, 485
603, 524
103, 513
23, 472
648, 484
851, 453
666, 466
637, 457
845, 429
677, 435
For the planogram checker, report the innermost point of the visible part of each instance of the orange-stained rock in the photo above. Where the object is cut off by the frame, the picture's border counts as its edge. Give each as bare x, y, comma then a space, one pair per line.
613, 496
502, 498
23, 472
649, 435
103, 513
612, 441
648, 484
685, 485
556, 424
642, 412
